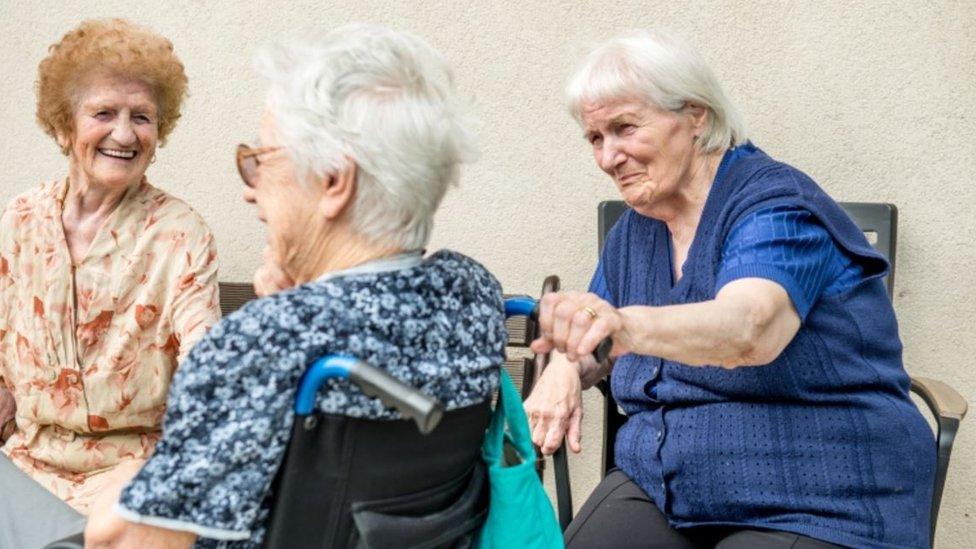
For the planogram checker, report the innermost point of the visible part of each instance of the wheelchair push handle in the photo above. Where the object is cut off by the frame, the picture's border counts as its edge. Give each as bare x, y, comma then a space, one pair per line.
424, 410
527, 306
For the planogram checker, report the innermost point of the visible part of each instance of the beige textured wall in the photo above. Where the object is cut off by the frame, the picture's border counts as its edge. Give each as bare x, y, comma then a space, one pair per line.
876, 100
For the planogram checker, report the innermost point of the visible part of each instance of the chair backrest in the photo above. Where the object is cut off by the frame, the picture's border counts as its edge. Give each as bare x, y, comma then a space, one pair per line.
233, 296
352, 482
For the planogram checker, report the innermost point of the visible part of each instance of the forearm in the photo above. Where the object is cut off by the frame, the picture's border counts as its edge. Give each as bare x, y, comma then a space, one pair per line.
731, 333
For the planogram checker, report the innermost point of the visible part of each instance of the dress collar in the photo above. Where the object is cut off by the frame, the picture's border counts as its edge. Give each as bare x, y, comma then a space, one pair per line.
405, 260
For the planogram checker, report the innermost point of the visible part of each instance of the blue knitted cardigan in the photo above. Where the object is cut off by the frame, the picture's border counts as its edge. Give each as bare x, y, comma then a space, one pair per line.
824, 441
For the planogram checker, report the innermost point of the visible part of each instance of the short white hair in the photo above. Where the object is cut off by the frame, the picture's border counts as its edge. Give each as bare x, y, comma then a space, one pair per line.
662, 69
385, 100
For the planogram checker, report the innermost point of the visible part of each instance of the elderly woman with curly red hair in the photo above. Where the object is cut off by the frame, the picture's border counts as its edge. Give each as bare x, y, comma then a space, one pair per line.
106, 282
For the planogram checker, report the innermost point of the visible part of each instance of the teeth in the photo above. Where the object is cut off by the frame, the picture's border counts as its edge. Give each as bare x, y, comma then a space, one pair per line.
118, 154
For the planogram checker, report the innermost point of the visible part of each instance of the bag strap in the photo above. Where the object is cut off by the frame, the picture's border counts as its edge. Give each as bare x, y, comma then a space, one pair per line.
508, 411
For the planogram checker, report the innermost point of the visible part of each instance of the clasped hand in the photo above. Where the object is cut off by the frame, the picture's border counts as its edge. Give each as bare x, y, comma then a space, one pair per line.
572, 324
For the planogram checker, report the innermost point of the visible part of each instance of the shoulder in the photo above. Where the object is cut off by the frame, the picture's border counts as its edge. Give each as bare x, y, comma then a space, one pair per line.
264, 328
31, 202
758, 173
759, 181
458, 264
169, 212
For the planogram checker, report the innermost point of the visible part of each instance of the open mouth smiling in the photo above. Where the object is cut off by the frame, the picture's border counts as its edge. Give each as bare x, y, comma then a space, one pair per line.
120, 154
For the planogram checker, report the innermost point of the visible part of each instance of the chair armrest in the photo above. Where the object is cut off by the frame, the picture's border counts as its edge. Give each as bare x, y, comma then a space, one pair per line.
944, 401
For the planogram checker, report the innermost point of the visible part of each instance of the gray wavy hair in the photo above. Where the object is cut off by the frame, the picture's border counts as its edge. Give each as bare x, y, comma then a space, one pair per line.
385, 100
662, 69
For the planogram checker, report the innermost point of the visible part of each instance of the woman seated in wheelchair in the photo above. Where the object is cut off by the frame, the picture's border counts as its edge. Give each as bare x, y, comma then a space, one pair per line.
360, 139
757, 353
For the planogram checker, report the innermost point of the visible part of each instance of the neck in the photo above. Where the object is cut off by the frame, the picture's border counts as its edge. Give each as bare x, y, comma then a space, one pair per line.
335, 252
88, 199
683, 213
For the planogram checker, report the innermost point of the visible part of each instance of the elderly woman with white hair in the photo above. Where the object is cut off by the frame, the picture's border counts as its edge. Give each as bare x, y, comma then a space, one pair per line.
756, 350
359, 142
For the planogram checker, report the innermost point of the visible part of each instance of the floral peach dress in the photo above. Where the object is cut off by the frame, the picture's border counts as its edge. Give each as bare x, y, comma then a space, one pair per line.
88, 349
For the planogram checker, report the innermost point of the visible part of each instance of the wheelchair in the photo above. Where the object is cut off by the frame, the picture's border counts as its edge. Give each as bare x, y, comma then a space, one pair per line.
358, 483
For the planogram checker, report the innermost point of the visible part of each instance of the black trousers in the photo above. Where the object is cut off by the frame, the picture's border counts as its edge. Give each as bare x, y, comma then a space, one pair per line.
619, 514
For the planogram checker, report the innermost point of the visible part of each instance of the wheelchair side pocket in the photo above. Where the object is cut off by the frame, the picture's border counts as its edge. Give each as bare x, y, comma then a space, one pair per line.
446, 516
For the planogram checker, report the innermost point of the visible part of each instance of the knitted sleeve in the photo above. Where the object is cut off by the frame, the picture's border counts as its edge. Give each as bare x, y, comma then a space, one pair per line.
789, 246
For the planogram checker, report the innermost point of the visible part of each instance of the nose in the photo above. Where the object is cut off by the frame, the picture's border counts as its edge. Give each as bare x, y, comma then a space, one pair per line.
610, 155
248, 195
123, 133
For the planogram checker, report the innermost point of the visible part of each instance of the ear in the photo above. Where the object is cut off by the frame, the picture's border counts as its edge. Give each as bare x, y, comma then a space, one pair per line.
699, 116
338, 190
64, 141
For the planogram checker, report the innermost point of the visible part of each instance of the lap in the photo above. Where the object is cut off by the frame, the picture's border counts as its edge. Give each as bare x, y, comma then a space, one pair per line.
619, 514
31, 516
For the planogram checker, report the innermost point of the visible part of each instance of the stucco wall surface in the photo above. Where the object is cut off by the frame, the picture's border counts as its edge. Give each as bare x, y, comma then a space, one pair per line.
875, 100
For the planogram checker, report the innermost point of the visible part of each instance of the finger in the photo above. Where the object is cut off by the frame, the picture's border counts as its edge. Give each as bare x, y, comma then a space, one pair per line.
539, 430
577, 329
546, 305
562, 317
597, 332
541, 346
554, 437
280, 278
574, 434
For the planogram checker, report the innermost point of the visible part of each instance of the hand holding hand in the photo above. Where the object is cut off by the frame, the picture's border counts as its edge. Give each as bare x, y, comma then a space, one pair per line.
575, 323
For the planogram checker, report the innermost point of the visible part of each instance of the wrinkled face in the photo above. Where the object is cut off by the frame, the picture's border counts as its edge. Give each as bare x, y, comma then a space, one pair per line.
115, 132
284, 205
646, 150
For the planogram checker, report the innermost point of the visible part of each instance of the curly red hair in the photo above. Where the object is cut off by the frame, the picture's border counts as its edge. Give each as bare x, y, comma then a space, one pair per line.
114, 47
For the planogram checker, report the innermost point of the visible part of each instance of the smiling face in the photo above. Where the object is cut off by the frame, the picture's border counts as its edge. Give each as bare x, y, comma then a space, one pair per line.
114, 134
649, 152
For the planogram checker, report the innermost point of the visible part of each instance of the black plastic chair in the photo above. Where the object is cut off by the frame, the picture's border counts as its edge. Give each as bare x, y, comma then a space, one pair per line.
879, 223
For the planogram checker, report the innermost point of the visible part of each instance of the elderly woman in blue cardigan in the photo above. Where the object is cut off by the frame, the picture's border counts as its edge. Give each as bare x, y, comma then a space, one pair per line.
359, 142
757, 353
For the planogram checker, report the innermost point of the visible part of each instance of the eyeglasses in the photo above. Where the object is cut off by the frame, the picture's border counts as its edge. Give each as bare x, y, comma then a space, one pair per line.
247, 161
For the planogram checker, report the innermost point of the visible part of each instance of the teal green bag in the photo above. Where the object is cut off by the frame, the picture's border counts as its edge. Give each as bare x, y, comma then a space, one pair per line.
519, 514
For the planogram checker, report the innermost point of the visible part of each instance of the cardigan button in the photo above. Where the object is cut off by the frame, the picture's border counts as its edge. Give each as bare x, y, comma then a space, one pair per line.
659, 435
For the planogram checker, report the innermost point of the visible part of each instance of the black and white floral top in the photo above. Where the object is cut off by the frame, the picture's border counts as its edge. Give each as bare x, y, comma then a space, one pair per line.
437, 324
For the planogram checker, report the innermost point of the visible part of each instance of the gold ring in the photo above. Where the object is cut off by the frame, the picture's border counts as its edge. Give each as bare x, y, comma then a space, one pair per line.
590, 312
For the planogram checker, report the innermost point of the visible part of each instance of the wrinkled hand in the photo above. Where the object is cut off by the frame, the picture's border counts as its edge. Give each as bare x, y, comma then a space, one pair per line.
107, 530
565, 325
270, 278
555, 407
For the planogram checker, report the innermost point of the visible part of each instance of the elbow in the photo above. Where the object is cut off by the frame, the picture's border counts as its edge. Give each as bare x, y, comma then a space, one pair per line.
751, 343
